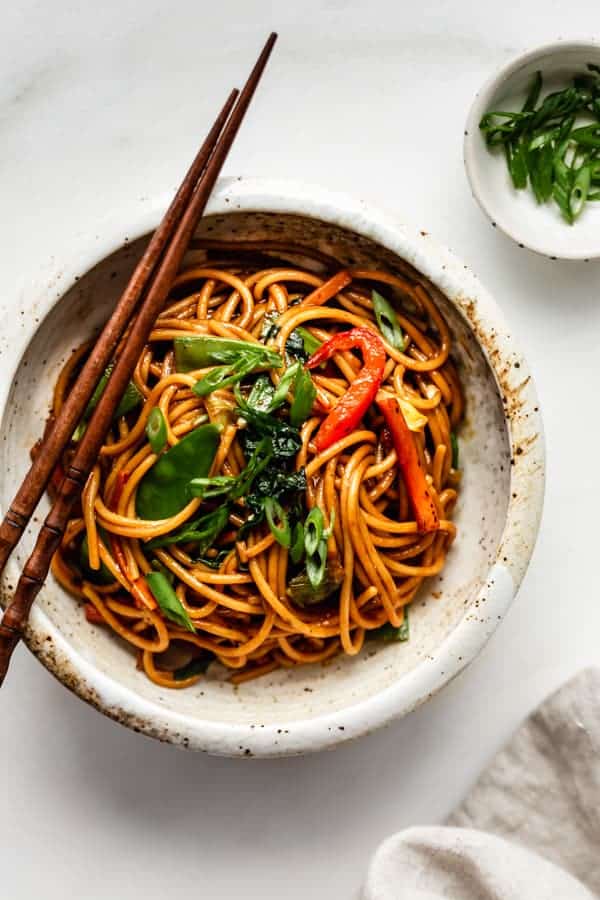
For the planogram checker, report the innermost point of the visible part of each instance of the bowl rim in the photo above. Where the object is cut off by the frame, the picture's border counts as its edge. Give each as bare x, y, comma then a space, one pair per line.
526, 440
479, 106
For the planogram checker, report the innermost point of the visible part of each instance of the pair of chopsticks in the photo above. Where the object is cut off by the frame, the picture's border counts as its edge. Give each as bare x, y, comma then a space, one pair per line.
139, 306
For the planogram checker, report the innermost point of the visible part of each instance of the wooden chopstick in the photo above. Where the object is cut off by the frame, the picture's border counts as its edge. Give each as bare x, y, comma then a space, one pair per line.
37, 566
34, 484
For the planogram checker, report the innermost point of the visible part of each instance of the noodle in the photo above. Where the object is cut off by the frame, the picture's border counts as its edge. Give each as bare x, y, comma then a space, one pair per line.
236, 595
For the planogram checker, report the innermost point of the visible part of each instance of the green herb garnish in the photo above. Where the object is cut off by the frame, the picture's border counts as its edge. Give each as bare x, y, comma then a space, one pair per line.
455, 449
302, 592
156, 430
131, 398
387, 632
545, 150
168, 600
304, 397
202, 531
387, 321
309, 342
277, 521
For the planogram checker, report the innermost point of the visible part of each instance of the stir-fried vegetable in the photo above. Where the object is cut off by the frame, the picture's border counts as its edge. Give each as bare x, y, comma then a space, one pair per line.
131, 398
168, 600
164, 489
350, 408
277, 521
103, 575
285, 440
201, 350
265, 398
302, 592
297, 543
387, 321
455, 449
202, 531
410, 465
196, 666
233, 360
156, 430
230, 486
304, 397
309, 341
260, 397
543, 147
388, 632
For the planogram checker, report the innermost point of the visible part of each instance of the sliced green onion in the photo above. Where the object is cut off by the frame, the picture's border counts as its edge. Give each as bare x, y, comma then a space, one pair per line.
316, 564
579, 191
156, 430
234, 486
302, 593
313, 530
311, 343
455, 452
588, 136
304, 397
223, 376
297, 543
542, 145
202, 531
284, 386
516, 158
534, 93
278, 522
168, 600
388, 321
327, 532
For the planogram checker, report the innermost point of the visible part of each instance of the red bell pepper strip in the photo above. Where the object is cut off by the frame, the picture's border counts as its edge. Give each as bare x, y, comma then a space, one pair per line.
409, 462
120, 482
349, 410
92, 614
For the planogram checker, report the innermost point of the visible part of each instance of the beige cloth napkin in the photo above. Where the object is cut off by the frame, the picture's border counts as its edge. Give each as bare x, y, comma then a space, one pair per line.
530, 828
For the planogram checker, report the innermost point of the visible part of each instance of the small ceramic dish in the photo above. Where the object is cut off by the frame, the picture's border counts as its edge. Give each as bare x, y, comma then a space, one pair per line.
502, 454
540, 227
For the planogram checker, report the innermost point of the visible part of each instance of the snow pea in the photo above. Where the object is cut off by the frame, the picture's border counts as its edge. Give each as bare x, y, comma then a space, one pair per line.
164, 489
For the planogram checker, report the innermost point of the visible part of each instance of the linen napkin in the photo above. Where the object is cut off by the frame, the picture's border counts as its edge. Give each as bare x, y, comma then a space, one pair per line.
530, 827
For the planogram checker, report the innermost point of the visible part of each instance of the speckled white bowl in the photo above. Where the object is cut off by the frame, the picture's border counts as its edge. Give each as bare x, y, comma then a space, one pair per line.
539, 227
502, 452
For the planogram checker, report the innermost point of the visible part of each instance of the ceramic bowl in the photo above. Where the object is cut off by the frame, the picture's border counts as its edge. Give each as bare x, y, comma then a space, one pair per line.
540, 227
502, 453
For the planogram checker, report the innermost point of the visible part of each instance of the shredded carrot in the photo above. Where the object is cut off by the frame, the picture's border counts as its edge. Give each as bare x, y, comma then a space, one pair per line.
142, 594
119, 555
327, 290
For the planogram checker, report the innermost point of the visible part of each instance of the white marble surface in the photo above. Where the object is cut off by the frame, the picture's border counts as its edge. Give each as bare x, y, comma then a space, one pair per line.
100, 106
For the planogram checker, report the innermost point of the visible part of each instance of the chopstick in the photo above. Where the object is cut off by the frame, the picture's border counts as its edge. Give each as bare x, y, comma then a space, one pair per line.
35, 482
157, 283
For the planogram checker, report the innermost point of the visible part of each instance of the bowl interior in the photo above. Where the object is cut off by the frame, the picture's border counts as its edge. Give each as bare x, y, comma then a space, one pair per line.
537, 226
288, 694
